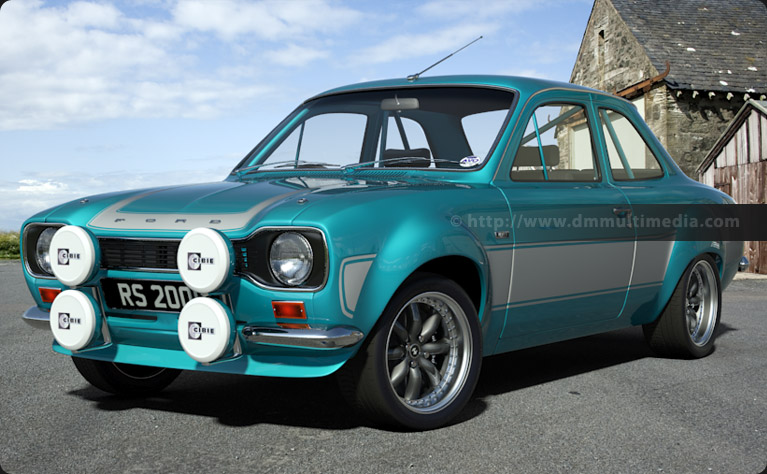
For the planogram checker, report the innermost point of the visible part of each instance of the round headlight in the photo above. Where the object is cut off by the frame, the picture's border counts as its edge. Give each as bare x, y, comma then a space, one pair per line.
42, 249
291, 258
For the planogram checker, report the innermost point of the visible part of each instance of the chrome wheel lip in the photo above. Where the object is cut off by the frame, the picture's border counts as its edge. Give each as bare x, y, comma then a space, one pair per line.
701, 303
459, 358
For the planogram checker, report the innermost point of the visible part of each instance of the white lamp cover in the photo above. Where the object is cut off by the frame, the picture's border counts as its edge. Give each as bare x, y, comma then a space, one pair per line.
74, 319
205, 329
73, 255
204, 259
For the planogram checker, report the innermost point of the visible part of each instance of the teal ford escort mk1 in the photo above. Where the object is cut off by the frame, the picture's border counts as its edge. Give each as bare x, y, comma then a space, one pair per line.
394, 232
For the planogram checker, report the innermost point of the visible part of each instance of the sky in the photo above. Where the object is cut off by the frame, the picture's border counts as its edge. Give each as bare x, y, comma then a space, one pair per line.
99, 96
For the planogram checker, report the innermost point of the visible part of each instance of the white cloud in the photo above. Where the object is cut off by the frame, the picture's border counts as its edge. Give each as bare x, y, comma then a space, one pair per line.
451, 9
35, 186
405, 46
88, 61
525, 72
92, 14
24, 198
273, 21
294, 55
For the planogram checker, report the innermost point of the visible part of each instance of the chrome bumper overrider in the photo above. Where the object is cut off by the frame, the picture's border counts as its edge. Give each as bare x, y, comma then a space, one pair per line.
37, 318
743, 264
331, 338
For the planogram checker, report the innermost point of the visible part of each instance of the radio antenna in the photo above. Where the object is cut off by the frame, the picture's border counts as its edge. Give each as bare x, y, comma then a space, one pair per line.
414, 77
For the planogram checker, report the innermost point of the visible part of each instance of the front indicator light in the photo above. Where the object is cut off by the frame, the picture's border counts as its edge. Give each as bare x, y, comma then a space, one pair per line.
49, 294
289, 309
293, 326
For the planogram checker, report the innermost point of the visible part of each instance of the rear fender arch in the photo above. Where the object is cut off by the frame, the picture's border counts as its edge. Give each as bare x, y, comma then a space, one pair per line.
682, 254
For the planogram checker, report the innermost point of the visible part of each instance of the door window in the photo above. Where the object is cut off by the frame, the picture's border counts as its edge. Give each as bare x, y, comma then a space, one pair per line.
630, 157
557, 146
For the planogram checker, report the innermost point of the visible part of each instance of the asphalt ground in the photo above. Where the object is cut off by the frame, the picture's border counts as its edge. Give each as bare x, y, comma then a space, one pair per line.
598, 404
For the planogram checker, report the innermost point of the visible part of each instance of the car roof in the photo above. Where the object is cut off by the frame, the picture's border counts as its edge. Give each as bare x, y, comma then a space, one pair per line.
525, 85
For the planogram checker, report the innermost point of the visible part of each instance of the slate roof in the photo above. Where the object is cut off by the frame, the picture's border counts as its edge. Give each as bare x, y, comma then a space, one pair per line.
712, 45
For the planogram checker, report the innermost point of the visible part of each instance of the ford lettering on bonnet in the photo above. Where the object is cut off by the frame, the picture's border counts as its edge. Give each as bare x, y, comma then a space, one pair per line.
378, 234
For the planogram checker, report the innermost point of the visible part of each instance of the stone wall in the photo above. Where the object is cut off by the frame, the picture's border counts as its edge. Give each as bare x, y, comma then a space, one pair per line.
611, 59
693, 125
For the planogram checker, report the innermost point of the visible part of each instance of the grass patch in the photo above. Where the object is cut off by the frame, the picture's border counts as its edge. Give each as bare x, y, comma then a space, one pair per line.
9, 245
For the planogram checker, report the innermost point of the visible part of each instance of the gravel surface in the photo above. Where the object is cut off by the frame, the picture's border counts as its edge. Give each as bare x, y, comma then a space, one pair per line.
597, 404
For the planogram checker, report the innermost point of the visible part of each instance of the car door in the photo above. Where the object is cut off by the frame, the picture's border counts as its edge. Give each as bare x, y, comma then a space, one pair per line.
573, 241
633, 167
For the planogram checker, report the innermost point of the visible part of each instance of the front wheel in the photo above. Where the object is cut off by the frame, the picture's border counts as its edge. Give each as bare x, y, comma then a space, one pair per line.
420, 366
686, 327
125, 379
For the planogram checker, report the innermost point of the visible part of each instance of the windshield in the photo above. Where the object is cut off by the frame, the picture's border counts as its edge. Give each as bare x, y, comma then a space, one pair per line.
425, 128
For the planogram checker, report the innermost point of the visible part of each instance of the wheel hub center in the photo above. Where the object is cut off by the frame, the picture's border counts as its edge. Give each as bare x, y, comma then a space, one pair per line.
414, 350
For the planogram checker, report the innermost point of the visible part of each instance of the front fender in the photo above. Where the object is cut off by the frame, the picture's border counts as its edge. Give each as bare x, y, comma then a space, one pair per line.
407, 248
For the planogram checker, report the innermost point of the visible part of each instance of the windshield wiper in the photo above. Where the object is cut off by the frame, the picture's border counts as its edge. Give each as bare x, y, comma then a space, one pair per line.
283, 164
351, 167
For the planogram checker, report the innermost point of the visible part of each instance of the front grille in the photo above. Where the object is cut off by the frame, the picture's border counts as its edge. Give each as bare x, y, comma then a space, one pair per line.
138, 254
246, 257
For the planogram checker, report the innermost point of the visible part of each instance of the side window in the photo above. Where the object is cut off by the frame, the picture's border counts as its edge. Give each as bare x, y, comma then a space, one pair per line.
404, 138
332, 139
630, 157
557, 135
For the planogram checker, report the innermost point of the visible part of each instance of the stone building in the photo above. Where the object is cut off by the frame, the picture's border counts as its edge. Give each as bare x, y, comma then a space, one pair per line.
688, 65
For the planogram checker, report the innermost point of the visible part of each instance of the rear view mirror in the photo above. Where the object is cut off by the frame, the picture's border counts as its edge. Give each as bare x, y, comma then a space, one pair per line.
400, 104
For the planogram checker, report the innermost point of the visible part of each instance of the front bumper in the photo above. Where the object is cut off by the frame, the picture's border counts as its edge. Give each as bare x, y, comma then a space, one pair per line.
336, 337
330, 338
37, 318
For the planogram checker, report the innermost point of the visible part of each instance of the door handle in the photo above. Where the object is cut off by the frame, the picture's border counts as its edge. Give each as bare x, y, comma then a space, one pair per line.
622, 211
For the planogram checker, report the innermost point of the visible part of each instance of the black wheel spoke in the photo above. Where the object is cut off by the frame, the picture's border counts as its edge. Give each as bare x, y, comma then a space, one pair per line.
395, 353
430, 327
693, 290
400, 331
414, 382
431, 371
439, 347
398, 373
695, 300
415, 329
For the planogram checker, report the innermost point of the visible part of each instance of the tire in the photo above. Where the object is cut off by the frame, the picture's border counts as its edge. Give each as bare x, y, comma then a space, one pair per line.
125, 379
686, 328
420, 365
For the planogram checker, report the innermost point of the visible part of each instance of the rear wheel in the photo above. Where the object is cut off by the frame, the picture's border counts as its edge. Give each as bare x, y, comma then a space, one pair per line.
686, 327
420, 366
125, 379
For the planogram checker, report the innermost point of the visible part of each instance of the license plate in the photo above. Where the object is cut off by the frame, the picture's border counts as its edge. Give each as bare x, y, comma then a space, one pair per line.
168, 296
